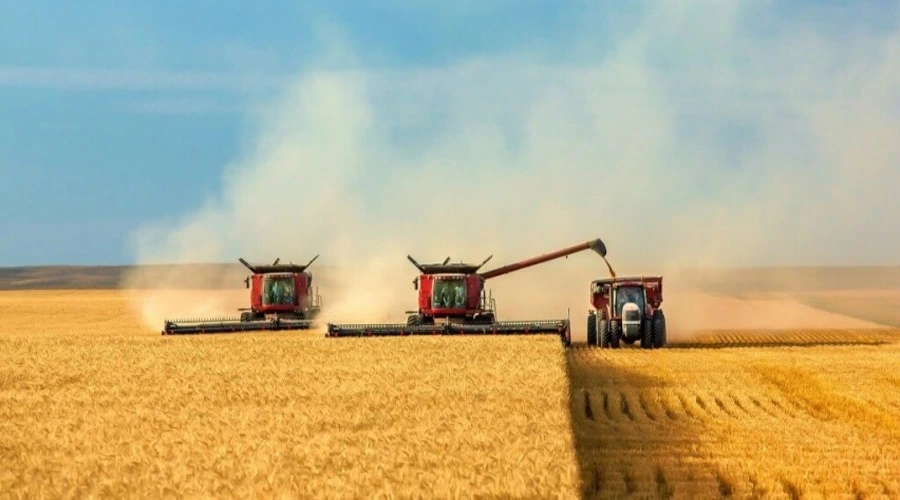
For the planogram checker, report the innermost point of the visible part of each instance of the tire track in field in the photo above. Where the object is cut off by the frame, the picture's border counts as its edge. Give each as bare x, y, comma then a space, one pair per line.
770, 407
645, 407
650, 408
687, 408
668, 407
682, 435
792, 410
638, 409
744, 409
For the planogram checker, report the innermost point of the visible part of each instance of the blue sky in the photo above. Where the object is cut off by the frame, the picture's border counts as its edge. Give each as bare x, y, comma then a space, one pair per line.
113, 114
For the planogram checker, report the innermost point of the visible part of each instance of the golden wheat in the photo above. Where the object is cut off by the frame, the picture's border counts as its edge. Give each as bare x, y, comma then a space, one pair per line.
91, 404
820, 421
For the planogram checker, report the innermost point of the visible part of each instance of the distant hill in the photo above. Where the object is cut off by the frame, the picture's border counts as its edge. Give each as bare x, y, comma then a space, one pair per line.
793, 279
727, 281
108, 277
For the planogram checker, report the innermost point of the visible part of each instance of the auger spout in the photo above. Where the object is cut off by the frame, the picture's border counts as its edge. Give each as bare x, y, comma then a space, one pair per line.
595, 245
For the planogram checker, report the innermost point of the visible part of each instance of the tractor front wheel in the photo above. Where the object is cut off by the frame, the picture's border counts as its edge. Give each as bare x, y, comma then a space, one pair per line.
604, 332
615, 334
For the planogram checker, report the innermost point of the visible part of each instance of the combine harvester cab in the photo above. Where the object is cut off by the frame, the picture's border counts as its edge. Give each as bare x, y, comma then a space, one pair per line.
281, 298
453, 300
626, 310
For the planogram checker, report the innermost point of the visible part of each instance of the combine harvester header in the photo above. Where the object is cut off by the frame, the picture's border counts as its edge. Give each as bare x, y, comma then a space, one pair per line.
281, 298
452, 300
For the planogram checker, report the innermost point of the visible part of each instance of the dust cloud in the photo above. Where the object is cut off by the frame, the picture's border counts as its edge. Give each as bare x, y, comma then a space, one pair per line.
710, 134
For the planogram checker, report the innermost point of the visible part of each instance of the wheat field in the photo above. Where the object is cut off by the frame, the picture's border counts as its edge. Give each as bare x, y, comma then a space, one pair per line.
790, 422
93, 404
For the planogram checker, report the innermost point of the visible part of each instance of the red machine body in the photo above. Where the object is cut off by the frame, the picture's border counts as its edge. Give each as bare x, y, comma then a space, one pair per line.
451, 295
627, 309
281, 298
452, 299
283, 294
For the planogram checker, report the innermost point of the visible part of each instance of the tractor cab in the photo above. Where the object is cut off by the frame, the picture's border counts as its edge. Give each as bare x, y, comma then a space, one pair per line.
284, 290
623, 295
451, 295
279, 292
278, 289
450, 290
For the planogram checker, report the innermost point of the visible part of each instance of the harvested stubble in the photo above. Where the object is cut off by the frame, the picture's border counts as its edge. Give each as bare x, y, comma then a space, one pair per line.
815, 421
91, 404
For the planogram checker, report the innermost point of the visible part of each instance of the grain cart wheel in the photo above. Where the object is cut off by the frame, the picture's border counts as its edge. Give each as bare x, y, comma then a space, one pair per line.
659, 329
603, 330
592, 329
647, 338
615, 334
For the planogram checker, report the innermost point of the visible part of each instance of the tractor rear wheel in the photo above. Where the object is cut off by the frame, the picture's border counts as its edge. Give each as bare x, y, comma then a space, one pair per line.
592, 329
647, 326
659, 329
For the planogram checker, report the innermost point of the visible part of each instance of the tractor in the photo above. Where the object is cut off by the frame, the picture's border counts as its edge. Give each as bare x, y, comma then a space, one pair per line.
627, 310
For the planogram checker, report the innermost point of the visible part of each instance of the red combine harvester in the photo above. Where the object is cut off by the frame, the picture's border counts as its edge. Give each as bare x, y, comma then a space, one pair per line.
281, 298
452, 300
627, 309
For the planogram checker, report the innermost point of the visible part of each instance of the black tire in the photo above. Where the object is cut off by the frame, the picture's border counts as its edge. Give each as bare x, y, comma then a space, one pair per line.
659, 329
246, 316
604, 332
646, 337
615, 334
592, 329
413, 320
